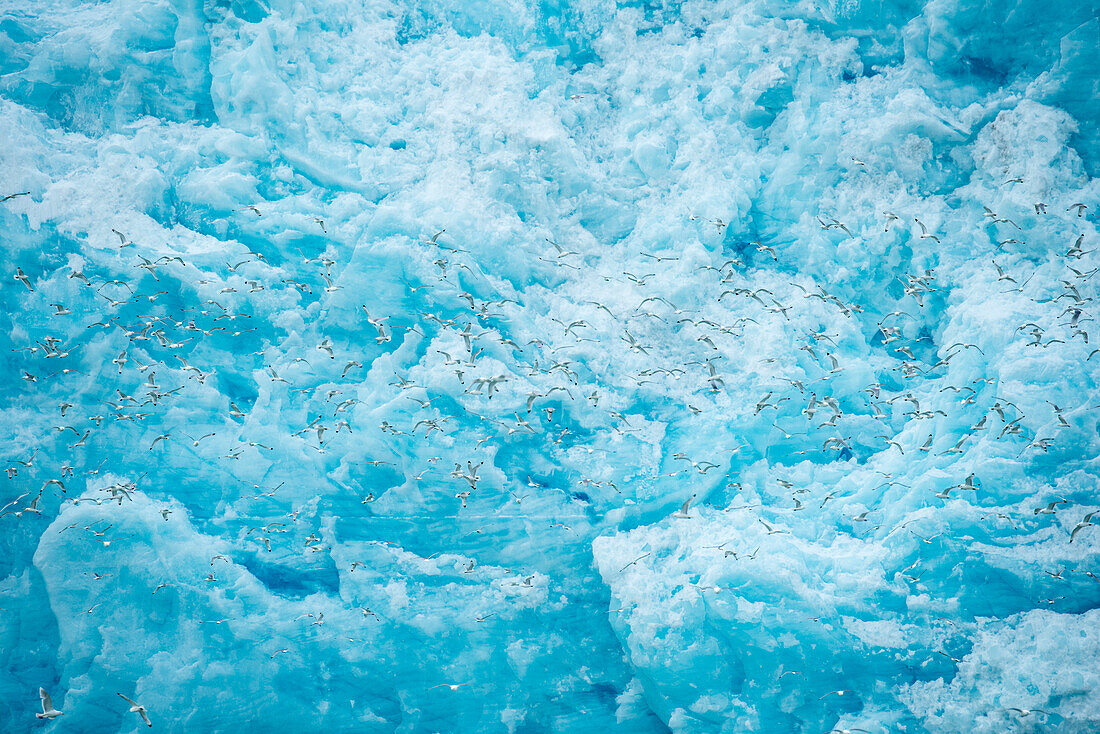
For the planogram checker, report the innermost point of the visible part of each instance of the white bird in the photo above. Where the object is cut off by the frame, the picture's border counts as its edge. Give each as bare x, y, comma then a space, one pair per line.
1025, 712
22, 278
771, 530
924, 232
48, 711
196, 441
683, 511
137, 708
1085, 523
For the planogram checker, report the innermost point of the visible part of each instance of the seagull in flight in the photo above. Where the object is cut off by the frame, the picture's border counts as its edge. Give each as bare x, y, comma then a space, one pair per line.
1085, 523
924, 232
137, 708
22, 278
683, 511
1025, 712
48, 711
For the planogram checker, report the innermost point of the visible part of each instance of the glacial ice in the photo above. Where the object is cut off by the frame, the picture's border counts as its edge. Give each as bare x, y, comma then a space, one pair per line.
759, 335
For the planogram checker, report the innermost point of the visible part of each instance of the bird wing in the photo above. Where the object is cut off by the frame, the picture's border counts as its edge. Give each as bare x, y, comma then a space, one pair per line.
128, 700
47, 702
144, 717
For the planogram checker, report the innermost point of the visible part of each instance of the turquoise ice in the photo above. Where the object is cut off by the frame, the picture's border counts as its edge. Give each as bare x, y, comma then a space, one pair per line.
549, 367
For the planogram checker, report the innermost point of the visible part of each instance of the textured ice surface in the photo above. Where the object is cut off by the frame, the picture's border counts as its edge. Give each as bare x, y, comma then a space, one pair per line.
827, 268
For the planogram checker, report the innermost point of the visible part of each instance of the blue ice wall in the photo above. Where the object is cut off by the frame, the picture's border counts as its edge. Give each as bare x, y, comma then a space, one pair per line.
549, 367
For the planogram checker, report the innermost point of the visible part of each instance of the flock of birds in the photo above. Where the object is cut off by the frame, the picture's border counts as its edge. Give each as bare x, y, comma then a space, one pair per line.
162, 320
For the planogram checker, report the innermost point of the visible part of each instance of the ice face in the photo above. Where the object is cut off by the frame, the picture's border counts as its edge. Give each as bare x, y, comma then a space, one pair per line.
452, 366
